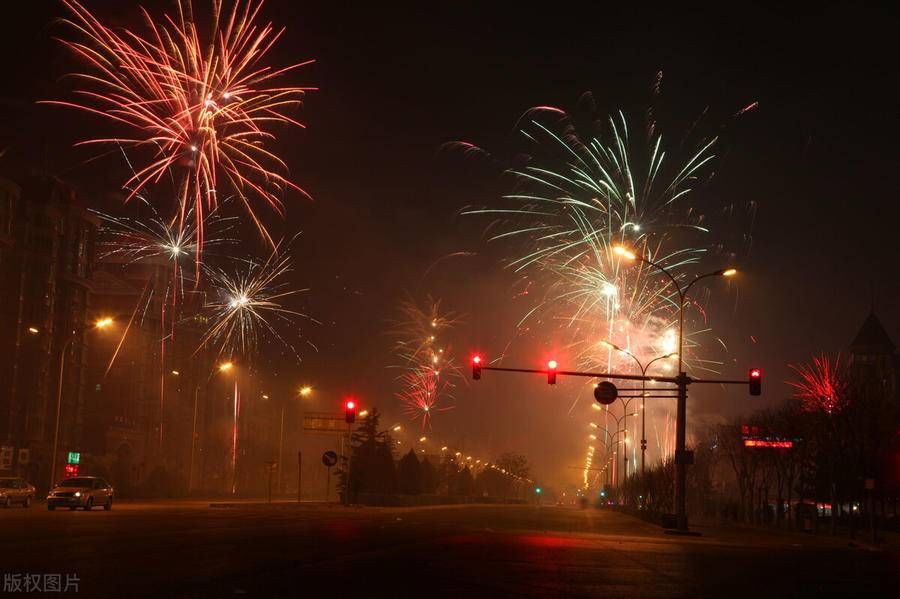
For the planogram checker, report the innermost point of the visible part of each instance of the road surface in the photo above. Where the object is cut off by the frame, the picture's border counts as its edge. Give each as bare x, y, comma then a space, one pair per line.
188, 549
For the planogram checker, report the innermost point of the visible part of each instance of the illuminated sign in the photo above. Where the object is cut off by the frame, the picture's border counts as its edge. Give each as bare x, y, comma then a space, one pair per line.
74, 457
71, 470
778, 444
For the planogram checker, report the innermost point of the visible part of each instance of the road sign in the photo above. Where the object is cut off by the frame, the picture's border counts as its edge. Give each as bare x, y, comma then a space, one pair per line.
324, 422
329, 458
74, 457
606, 392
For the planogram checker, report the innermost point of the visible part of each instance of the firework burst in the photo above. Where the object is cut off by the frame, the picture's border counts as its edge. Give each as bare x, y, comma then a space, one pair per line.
822, 384
200, 107
250, 303
574, 200
429, 368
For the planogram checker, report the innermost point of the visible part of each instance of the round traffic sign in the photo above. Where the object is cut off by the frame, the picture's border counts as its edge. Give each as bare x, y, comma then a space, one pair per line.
605, 392
329, 458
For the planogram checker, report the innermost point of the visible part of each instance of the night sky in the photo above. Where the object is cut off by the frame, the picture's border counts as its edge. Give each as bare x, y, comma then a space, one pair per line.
818, 159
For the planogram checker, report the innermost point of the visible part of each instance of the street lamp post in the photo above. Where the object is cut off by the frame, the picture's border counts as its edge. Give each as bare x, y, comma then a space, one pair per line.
643, 368
101, 324
619, 421
683, 380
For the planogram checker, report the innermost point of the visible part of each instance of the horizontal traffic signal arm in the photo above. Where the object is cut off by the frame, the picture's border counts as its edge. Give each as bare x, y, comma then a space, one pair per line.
598, 375
612, 375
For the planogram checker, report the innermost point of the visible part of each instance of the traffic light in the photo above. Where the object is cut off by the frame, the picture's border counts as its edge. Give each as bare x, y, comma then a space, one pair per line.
551, 372
755, 377
71, 470
476, 368
350, 411
538, 490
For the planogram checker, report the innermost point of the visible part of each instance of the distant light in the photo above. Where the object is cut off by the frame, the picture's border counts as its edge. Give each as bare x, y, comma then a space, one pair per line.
397, 428
609, 290
538, 490
305, 390
225, 366
175, 372
226, 95
103, 323
624, 252
364, 413
33, 330
729, 272
422, 439
350, 404
552, 364
193, 148
265, 396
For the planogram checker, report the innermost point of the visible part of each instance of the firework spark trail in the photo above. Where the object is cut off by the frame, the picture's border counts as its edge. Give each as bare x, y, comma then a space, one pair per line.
430, 371
578, 198
201, 108
248, 304
822, 384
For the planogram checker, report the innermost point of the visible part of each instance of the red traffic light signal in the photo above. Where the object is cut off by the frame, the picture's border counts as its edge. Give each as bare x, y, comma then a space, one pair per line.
551, 372
755, 377
476, 367
71, 470
350, 411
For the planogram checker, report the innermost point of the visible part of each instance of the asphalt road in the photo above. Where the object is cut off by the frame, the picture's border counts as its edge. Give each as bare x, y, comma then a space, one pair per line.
187, 549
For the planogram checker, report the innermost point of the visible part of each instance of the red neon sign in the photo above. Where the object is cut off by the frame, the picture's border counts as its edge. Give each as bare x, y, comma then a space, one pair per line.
765, 443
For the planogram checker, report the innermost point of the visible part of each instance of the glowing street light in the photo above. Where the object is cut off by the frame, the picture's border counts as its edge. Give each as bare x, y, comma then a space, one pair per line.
682, 380
306, 391
103, 323
33, 330
225, 366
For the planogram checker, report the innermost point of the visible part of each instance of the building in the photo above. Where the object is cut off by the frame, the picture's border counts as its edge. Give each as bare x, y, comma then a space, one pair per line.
47, 240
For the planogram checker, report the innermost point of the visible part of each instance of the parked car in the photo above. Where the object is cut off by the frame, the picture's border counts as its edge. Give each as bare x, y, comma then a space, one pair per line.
15, 490
85, 492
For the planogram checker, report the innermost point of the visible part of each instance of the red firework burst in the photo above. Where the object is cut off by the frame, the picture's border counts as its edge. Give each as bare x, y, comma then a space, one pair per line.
201, 108
822, 384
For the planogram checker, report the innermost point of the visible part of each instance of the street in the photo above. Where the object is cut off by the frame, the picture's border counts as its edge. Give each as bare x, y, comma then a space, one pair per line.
189, 549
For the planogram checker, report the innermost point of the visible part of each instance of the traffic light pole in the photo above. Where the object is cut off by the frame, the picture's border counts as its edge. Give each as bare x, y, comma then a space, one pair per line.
683, 457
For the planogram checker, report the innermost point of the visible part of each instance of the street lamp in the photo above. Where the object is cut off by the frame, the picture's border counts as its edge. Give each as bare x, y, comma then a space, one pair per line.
644, 368
306, 391
100, 324
683, 379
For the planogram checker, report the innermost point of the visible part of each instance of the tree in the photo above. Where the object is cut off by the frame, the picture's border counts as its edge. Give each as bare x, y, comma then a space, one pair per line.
429, 477
410, 474
372, 464
514, 463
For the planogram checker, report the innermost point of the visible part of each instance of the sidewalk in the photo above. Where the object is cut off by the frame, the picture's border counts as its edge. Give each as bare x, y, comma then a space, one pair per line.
887, 540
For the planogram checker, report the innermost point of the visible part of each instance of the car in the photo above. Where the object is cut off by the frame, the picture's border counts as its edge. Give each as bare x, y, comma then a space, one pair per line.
84, 492
15, 490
